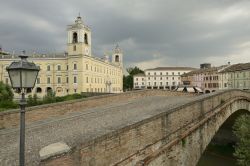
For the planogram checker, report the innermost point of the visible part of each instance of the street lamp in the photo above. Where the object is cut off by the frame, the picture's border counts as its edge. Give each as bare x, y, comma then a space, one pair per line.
23, 76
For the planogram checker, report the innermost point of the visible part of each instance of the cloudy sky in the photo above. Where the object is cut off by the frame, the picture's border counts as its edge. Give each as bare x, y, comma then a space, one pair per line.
151, 33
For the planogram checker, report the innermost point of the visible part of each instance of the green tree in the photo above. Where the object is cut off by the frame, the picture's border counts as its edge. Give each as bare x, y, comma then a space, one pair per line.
134, 70
32, 100
6, 97
6, 93
50, 97
128, 80
241, 129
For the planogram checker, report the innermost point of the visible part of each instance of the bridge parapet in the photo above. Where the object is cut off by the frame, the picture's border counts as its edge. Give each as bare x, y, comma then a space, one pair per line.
10, 119
165, 138
147, 131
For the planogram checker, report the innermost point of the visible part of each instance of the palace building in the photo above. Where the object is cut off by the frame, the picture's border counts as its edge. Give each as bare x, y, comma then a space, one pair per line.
76, 70
168, 78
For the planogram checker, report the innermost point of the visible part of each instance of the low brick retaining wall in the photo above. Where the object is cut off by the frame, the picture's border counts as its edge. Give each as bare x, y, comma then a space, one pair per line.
10, 118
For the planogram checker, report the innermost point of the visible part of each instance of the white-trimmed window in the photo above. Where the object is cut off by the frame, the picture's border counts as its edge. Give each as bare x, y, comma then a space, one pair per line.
75, 79
75, 66
48, 80
59, 80
48, 67
59, 67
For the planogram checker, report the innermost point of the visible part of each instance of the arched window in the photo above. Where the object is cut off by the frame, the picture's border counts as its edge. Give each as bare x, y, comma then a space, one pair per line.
59, 67
75, 66
117, 58
38, 90
75, 38
49, 89
85, 38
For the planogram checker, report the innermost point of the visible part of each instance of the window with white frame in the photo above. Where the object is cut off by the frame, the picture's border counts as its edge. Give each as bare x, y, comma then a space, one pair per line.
75, 66
75, 79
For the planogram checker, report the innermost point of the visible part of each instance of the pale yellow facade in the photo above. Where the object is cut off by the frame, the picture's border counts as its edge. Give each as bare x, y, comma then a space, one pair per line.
75, 71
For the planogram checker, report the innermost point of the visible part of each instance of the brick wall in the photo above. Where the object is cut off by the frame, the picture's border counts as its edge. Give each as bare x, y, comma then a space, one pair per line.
9, 119
177, 137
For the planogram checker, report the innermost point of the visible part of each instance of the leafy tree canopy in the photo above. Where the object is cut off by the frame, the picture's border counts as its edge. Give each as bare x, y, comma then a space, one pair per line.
134, 70
6, 93
241, 129
128, 80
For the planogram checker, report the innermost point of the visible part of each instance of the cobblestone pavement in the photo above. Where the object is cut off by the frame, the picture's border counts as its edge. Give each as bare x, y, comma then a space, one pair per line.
79, 127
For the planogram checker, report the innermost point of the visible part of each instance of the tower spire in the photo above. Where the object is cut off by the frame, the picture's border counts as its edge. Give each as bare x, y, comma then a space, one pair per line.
79, 19
117, 49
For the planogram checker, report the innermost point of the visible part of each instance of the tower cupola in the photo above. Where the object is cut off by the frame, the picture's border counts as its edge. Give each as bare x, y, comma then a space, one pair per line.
79, 38
117, 56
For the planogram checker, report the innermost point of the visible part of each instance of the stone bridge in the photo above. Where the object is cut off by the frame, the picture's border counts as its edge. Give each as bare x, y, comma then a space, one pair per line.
150, 127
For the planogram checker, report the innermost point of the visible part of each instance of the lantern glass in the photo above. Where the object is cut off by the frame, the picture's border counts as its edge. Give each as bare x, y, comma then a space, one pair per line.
29, 78
15, 78
22, 78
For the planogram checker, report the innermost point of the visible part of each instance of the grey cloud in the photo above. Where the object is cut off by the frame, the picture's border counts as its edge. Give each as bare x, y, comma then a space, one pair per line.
173, 32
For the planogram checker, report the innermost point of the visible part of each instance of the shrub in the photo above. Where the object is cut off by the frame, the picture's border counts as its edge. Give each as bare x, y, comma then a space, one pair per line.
50, 97
32, 101
241, 129
8, 105
6, 93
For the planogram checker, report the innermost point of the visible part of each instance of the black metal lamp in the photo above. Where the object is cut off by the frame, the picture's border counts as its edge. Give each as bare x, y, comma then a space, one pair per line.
23, 75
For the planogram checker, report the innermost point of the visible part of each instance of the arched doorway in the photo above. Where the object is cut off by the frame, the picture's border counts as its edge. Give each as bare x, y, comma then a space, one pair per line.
207, 91
38, 90
173, 87
49, 89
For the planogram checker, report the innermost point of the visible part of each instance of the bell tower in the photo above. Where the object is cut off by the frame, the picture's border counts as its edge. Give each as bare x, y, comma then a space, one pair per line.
79, 38
117, 56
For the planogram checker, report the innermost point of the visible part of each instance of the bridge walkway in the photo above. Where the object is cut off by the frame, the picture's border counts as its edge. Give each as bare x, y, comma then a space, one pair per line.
79, 127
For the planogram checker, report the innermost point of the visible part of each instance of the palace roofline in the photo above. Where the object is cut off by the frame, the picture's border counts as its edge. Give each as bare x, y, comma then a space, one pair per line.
172, 68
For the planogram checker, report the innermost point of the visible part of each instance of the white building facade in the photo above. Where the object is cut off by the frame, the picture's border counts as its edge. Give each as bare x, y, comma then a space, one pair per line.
236, 76
77, 70
139, 81
161, 78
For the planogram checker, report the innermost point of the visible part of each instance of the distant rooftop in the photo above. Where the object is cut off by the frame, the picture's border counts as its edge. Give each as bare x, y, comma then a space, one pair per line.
237, 67
172, 68
35, 56
205, 70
